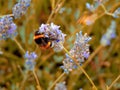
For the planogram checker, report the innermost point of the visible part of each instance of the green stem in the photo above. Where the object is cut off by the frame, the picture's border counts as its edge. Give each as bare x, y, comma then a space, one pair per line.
50, 16
37, 80
106, 12
56, 81
53, 4
103, 7
57, 7
20, 70
23, 81
88, 77
114, 82
19, 45
11, 15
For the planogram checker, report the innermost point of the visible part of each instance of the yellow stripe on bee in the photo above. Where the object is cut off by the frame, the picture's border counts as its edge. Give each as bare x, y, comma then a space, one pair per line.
39, 36
47, 46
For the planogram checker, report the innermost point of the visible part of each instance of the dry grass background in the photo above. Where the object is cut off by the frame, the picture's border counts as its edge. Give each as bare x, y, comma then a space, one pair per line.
103, 68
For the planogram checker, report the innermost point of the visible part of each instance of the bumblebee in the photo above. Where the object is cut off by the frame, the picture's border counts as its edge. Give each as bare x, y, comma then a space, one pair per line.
42, 41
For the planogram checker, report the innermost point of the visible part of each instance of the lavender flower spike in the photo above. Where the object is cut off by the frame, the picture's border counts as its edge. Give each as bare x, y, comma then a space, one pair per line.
30, 60
116, 14
7, 28
20, 8
79, 51
90, 7
52, 31
60, 86
111, 33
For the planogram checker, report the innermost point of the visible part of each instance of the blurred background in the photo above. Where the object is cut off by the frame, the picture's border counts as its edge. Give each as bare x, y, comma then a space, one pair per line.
103, 68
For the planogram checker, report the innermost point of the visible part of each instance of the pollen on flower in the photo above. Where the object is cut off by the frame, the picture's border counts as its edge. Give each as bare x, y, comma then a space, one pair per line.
110, 34
20, 8
79, 51
30, 60
53, 32
7, 28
